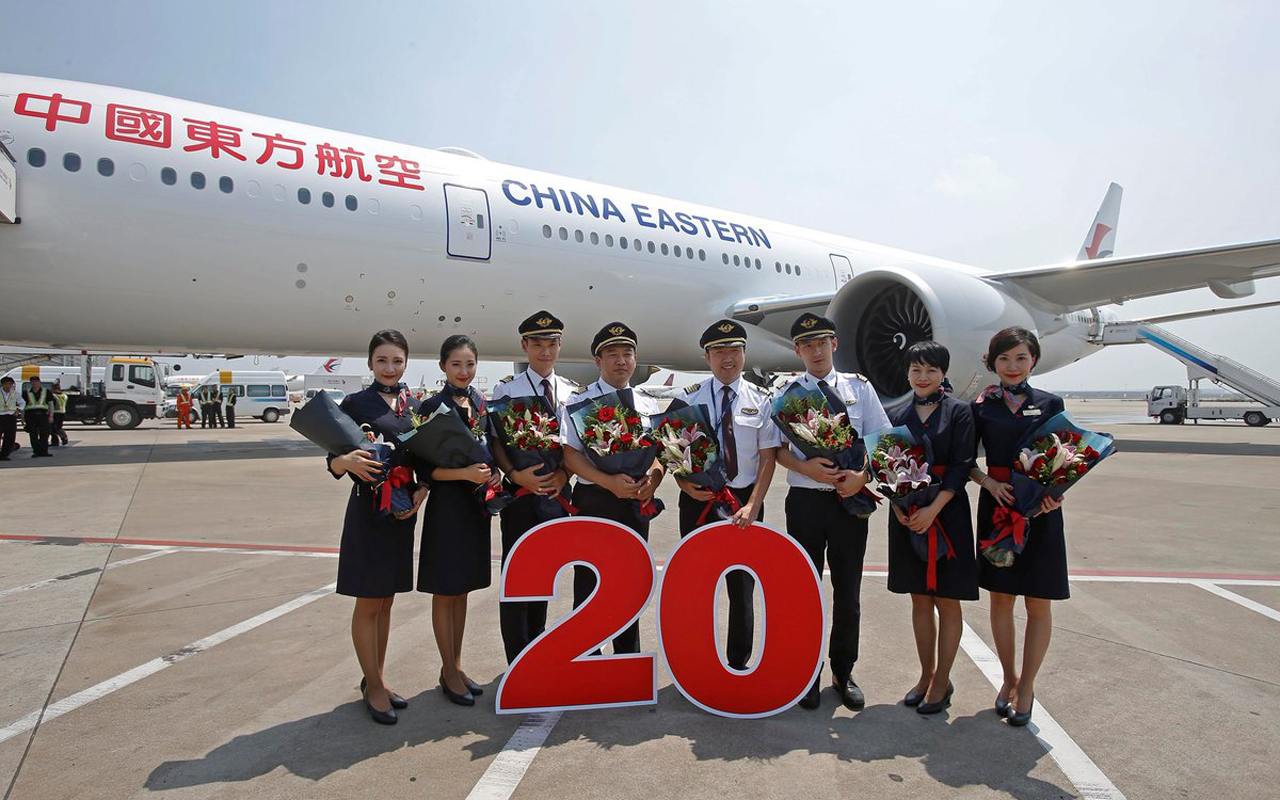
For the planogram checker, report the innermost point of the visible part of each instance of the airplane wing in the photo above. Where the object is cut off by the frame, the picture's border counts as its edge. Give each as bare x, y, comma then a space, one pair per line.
1083, 284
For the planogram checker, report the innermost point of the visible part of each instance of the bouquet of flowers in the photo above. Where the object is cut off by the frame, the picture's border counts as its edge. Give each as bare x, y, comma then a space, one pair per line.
443, 439
901, 466
530, 435
1055, 456
328, 426
615, 440
690, 452
815, 422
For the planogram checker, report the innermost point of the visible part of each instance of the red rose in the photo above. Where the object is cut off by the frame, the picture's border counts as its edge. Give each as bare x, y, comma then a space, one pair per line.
590, 434
626, 438
675, 423
633, 420
553, 425
518, 408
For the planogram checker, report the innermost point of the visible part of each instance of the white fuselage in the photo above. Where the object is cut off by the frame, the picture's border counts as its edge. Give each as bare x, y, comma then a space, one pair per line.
126, 261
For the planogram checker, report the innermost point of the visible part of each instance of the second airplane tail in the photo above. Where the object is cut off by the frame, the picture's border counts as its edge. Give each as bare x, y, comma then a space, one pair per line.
1100, 242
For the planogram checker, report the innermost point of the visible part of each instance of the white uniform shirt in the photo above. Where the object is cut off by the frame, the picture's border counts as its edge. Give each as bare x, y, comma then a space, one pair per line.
645, 405
529, 384
861, 402
11, 402
753, 430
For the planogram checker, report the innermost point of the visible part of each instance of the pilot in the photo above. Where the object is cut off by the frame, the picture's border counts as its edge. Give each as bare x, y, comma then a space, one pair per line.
540, 337
598, 494
38, 413
748, 441
815, 517
10, 408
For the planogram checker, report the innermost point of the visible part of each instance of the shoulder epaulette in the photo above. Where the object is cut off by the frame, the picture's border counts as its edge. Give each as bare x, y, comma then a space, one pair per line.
693, 387
859, 376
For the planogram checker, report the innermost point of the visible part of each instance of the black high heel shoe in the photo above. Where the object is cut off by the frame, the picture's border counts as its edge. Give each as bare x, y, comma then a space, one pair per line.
934, 708
1019, 718
464, 699
913, 699
387, 717
1002, 706
472, 686
396, 700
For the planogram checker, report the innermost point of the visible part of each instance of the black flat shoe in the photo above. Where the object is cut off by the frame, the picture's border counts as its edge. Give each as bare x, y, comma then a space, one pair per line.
812, 698
934, 708
850, 694
1019, 718
913, 699
1002, 707
396, 700
387, 717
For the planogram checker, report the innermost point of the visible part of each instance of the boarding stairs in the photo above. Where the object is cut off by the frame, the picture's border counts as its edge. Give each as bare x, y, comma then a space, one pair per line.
1200, 363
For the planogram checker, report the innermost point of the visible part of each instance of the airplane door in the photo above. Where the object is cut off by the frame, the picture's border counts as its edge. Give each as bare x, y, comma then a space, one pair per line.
843, 269
467, 211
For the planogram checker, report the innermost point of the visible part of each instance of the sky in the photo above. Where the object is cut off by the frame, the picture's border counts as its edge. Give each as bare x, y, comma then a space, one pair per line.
984, 132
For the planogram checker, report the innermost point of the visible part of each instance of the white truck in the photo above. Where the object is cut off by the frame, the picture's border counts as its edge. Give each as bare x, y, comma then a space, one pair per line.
1173, 405
123, 393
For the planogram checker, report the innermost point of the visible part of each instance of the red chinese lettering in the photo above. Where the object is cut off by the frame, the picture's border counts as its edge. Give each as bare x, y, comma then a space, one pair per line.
138, 125
340, 163
277, 141
214, 137
401, 170
49, 108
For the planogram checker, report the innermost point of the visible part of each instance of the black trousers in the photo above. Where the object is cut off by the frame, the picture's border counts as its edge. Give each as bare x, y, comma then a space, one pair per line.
520, 623
38, 429
231, 416
8, 433
56, 433
740, 585
594, 501
206, 418
816, 520
215, 409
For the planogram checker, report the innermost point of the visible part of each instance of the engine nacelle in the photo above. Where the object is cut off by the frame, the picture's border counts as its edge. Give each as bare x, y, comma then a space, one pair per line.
883, 311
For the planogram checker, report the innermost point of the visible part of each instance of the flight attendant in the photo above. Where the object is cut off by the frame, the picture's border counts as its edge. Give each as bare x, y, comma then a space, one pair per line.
1003, 414
748, 443
376, 557
598, 494
454, 558
540, 336
815, 517
947, 424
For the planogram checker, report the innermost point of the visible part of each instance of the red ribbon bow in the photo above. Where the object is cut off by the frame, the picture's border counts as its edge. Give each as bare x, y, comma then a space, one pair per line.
931, 570
1007, 522
725, 497
559, 497
398, 477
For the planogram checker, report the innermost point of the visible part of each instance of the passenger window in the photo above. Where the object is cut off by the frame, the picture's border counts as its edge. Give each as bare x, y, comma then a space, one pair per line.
106, 167
36, 157
304, 196
226, 185
736, 261
608, 240
277, 391
725, 256
625, 242
564, 235
352, 204
327, 199
702, 255
197, 180
258, 390
546, 231
577, 236
651, 247
595, 238
168, 176
676, 250
71, 162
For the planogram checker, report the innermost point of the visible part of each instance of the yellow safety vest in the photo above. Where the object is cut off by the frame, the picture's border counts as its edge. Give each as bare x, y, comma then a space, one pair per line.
60, 403
37, 403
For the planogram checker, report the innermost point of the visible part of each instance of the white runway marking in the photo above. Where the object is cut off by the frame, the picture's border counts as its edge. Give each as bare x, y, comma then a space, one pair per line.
1252, 605
101, 690
83, 573
1078, 767
508, 768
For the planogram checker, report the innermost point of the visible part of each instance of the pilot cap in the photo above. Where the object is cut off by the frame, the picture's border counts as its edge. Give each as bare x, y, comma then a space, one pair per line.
811, 326
613, 333
542, 325
723, 333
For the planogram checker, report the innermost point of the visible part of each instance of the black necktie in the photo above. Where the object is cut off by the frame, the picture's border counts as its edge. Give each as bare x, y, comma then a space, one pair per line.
730, 444
546, 392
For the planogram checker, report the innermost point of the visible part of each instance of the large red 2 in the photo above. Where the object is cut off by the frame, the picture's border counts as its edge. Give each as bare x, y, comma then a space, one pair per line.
554, 671
791, 652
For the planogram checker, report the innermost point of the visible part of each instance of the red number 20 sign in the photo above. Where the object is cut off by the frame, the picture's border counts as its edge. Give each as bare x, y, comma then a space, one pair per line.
556, 672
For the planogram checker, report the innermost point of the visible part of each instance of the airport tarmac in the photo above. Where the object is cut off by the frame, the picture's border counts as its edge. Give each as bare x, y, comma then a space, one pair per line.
168, 629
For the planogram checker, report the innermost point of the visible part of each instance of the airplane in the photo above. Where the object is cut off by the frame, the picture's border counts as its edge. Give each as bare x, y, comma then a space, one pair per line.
152, 223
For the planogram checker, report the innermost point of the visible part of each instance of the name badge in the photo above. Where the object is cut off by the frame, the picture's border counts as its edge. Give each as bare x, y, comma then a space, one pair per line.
751, 412
1031, 412
851, 401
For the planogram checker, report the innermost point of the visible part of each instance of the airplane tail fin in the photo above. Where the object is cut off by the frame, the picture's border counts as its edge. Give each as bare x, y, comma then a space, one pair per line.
1100, 242
329, 367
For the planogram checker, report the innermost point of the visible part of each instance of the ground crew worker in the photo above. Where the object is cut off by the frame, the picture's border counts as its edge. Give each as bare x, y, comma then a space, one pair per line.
229, 406
58, 436
215, 408
38, 414
10, 408
184, 407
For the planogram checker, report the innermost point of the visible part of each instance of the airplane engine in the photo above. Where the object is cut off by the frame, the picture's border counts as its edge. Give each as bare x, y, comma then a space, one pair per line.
883, 311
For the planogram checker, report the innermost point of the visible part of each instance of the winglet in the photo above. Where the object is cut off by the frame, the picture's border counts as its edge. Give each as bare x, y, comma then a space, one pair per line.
1100, 242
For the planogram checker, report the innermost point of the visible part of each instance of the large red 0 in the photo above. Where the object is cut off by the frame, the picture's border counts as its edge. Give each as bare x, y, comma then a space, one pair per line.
791, 650
553, 672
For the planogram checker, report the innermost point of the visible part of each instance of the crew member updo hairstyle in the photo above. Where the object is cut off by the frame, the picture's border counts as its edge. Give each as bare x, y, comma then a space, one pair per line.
391, 337
929, 353
456, 341
1006, 340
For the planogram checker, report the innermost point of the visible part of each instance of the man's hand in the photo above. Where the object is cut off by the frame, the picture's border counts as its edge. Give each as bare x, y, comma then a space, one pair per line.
529, 479
821, 470
850, 483
623, 487
745, 515
649, 485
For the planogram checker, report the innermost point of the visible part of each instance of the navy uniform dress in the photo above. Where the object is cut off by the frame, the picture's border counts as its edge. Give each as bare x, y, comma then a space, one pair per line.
376, 556
455, 554
1040, 570
950, 431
